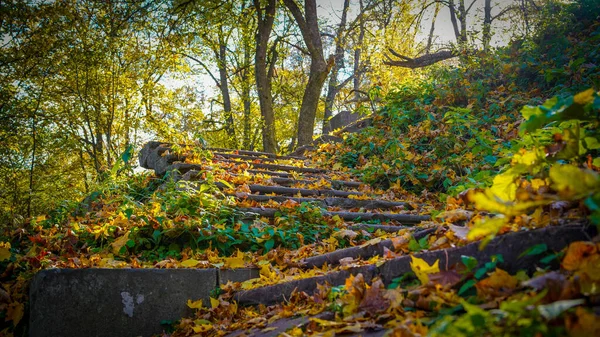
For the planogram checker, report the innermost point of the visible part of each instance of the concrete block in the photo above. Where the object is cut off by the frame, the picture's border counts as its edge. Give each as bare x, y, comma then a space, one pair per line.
238, 275
113, 302
342, 119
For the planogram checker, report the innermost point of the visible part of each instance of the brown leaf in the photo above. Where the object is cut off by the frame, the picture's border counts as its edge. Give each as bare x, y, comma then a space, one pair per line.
446, 278
540, 282
577, 254
374, 301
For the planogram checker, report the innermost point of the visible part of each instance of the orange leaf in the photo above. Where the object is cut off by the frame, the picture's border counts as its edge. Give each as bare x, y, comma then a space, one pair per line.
577, 254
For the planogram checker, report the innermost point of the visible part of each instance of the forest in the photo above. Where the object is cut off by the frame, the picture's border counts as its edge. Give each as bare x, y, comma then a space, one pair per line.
479, 120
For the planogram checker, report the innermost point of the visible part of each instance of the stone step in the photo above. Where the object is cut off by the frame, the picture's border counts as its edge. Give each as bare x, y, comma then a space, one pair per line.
195, 175
119, 302
254, 153
233, 155
332, 202
277, 167
362, 252
405, 219
511, 246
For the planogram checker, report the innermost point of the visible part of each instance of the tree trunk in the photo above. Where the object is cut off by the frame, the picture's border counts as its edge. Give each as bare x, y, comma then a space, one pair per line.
310, 100
486, 35
451, 6
462, 17
222, 64
263, 81
432, 29
333, 87
319, 68
357, 55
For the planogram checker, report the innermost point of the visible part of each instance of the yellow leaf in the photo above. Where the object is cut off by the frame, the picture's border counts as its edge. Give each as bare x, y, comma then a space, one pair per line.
487, 201
584, 97
486, 227
528, 158
504, 186
235, 261
4, 251
119, 243
214, 302
190, 263
573, 182
268, 273
15, 312
422, 269
202, 325
194, 304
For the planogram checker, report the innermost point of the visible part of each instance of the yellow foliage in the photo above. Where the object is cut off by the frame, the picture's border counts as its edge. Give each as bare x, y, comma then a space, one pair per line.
422, 269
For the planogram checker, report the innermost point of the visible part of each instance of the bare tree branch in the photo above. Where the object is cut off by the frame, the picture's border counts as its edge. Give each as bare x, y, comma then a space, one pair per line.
421, 61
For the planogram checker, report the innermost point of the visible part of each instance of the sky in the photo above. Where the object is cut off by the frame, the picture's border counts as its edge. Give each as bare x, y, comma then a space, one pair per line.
443, 28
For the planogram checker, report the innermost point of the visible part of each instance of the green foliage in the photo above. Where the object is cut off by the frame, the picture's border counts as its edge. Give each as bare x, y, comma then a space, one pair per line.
564, 136
456, 128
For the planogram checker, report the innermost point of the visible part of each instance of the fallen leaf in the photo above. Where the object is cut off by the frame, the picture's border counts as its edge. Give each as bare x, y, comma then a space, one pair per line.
4, 251
119, 243
577, 254
190, 263
422, 269
235, 261
194, 304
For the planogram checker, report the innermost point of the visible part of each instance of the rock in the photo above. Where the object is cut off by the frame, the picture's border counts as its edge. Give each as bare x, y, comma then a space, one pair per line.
342, 119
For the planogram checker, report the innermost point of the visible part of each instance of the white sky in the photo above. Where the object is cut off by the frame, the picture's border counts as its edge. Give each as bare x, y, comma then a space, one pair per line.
443, 27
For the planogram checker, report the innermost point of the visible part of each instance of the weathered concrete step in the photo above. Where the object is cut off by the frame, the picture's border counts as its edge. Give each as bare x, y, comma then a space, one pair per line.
285, 174
276, 167
334, 202
280, 292
185, 167
280, 326
374, 227
280, 190
255, 188
119, 302
335, 184
511, 246
153, 156
250, 158
194, 175
362, 252
404, 219
254, 153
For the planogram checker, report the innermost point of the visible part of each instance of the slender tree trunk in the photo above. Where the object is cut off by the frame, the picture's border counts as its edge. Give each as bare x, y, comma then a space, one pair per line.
34, 147
432, 29
357, 55
462, 18
486, 34
453, 19
246, 83
333, 87
263, 81
319, 68
32, 167
83, 170
222, 64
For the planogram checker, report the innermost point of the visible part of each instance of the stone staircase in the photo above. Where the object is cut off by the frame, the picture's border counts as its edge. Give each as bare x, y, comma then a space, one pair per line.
262, 181
128, 302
